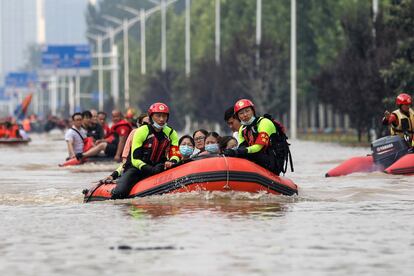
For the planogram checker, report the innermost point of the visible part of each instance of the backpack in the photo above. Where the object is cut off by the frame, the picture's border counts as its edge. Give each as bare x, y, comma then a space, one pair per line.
279, 146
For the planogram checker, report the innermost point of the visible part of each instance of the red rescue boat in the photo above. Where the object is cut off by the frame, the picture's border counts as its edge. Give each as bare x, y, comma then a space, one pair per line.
14, 141
210, 173
390, 154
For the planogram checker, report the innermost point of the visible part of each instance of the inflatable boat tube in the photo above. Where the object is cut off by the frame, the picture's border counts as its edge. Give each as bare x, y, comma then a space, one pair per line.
210, 173
354, 165
94, 159
404, 165
14, 141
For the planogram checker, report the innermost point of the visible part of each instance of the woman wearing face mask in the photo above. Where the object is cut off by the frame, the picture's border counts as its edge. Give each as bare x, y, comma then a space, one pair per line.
199, 137
211, 144
186, 145
228, 142
254, 136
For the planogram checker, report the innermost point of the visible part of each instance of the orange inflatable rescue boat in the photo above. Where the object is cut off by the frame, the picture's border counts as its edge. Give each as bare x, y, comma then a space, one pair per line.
14, 141
208, 173
390, 154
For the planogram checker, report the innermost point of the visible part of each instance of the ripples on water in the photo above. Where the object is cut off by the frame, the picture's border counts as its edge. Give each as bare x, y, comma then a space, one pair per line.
359, 224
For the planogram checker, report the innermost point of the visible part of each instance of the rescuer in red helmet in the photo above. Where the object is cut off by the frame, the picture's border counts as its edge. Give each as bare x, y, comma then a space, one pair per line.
254, 136
401, 121
154, 149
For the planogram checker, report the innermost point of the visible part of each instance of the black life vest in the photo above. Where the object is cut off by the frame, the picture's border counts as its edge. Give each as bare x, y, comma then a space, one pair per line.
155, 148
278, 146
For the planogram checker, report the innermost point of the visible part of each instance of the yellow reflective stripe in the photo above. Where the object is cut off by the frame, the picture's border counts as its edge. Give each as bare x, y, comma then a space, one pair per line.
138, 140
254, 148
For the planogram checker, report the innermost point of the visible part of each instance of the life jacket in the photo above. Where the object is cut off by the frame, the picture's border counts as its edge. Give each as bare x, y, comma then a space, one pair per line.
278, 145
88, 142
404, 121
107, 130
2, 131
156, 148
113, 137
13, 131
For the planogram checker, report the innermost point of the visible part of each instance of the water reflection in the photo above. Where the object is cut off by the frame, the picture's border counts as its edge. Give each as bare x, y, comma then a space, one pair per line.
231, 206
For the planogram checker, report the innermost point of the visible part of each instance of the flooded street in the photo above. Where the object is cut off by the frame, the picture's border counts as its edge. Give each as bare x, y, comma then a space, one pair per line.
356, 225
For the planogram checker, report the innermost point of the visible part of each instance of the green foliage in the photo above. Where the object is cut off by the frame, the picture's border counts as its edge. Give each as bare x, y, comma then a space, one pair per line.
400, 74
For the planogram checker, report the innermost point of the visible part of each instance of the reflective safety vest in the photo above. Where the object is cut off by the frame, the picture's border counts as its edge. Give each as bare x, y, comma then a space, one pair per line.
151, 147
398, 130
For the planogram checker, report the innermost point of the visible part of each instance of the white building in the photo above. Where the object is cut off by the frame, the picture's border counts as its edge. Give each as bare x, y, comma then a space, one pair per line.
28, 22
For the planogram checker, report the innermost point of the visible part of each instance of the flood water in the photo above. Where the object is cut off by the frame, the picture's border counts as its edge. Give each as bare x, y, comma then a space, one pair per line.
354, 225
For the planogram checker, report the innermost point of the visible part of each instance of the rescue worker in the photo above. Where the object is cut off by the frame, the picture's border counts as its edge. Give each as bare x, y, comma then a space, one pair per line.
254, 136
154, 149
401, 121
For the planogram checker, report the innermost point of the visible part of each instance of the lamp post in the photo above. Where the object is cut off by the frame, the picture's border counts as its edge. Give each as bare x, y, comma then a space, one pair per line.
258, 30
293, 92
99, 41
124, 24
187, 38
217, 31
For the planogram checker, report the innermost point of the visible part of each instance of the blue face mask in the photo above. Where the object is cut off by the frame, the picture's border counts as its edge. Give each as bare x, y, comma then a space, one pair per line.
249, 122
157, 126
186, 151
212, 148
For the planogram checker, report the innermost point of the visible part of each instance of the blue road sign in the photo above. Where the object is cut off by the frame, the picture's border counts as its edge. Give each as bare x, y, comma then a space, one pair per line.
67, 59
21, 79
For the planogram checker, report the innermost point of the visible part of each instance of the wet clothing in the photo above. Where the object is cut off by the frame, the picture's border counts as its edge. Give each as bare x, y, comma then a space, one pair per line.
255, 140
149, 150
76, 137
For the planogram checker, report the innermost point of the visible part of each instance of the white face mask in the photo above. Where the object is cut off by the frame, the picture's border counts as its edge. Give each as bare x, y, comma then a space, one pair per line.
249, 122
157, 126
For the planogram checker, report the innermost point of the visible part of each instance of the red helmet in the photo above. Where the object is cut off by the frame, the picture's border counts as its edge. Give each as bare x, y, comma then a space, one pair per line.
403, 99
158, 108
243, 103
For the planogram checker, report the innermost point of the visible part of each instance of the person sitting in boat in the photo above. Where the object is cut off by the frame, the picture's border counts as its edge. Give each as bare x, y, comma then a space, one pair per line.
199, 137
94, 129
113, 145
401, 121
102, 121
186, 146
75, 135
142, 119
154, 149
211, 144
130, 115
232, 121
254, 136
227, 142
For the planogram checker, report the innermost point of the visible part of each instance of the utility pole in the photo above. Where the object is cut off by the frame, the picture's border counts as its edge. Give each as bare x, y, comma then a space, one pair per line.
124, 24
187, 38
293, 92
143, 43
258, 30
126, 63
99, 52
163, 37
217, 33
